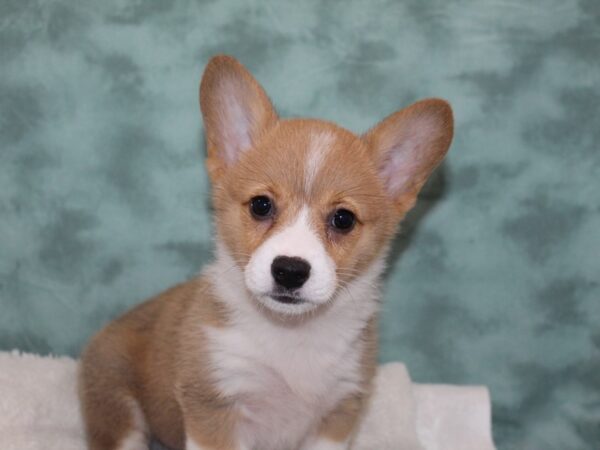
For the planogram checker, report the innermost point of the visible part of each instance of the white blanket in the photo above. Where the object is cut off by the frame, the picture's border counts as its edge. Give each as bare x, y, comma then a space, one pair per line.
39, 410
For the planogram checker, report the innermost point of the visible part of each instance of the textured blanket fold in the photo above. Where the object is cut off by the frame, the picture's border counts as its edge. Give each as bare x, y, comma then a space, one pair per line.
39, 410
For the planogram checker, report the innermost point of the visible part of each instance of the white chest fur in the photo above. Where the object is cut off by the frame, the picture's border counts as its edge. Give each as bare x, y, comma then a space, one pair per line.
286, 377
283, 381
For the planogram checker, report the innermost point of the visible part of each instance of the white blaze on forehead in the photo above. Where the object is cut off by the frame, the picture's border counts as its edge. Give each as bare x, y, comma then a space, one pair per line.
319, 146
298, 239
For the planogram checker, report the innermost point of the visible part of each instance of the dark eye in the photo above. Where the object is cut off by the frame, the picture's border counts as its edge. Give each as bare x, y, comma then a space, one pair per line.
261, 207
343, 220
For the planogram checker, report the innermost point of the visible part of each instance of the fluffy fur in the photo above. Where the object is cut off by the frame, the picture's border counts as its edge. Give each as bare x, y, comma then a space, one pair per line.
219, 362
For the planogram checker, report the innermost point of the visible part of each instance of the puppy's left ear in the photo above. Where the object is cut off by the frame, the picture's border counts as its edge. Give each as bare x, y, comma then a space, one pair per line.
408, 145
236, 112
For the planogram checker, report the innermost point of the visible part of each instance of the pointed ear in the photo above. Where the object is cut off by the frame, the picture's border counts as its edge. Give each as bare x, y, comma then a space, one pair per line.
236, 111
408, 145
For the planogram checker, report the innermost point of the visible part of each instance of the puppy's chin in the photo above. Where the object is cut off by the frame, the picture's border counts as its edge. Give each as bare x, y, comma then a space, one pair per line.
285, 306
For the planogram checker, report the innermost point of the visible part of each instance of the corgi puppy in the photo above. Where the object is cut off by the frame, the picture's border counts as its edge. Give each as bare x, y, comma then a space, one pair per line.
273, 346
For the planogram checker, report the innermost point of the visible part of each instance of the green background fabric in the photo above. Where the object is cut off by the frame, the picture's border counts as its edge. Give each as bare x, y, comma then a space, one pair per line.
494, 280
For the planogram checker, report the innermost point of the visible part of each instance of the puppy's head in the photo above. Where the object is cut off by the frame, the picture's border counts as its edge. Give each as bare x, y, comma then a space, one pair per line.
305, 207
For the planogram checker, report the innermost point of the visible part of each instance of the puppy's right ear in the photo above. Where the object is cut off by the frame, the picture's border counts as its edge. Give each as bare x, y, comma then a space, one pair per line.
236, 112
408, 145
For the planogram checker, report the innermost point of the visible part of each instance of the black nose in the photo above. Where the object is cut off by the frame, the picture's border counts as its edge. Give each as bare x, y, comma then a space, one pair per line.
290, 272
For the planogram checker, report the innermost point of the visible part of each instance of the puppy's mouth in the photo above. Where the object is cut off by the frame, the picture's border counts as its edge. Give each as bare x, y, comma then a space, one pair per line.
286, 303
287, 299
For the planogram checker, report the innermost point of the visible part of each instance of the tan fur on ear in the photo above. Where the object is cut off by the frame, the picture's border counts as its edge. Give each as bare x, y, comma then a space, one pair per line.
236, 111
408, 145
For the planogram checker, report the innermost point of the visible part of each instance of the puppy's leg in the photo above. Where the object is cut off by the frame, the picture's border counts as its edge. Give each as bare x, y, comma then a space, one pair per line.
337, 428
113, 418
213, 434
136, 437
209, 421
114, 422
191, 445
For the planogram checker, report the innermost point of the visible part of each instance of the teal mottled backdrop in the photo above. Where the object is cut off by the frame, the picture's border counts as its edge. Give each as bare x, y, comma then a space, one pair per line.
495, 278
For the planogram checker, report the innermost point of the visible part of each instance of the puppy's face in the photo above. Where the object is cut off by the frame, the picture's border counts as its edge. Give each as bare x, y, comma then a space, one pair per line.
303, 212
305, 207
